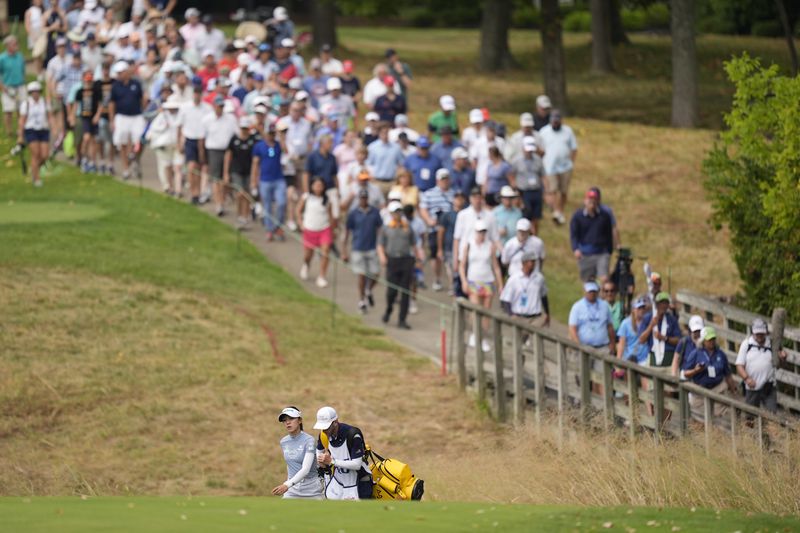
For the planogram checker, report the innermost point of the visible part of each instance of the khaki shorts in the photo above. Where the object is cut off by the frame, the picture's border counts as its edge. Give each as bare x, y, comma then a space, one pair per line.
559, 182
12, 98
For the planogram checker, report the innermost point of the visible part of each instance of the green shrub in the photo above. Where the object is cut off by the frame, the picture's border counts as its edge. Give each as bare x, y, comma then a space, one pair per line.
578, 21
657, 16
634, 19
767, 28
526, 16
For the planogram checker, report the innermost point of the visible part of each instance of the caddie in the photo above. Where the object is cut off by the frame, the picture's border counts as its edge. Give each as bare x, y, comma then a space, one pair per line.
341, 452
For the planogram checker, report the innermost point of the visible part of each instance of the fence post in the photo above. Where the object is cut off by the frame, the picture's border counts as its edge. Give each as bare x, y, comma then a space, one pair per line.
480, 374
778, 324
461, 347
563, 393
499, 381
608, 394
633, 400
733, 429
658, 404
708, 413
684, 414
538, 359
585, 366
519, 370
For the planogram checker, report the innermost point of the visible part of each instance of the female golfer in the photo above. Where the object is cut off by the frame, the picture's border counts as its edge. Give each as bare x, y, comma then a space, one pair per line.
34, 115
299, 451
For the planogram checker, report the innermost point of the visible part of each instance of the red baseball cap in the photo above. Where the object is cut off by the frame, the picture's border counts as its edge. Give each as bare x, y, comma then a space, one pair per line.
591, 193
388, 80
347, 65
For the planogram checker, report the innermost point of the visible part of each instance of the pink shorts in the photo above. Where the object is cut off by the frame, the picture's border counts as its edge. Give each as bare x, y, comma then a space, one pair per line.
317, 239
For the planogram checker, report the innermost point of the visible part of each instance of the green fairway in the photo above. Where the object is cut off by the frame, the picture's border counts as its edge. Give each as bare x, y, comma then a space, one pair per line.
271, 514
47, 212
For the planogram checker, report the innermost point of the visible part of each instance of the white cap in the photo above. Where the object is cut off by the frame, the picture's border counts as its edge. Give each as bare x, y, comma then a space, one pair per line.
334, 84
543, 101
239, 44
395, 206
280, 13
696, 323
287, 42
245, 122
191, 12
529, 144
372, 115
90, 4
523, 224
475, 116
508, 192
119, 66
526, 120
228, 107
395, 195
260, 100
301, 95
759, 325
400, 120
209, 52
123, 32
173, 102
481, 225
289, 412
244, 59
459, 152
325, 417
442, 173
251, 39
447, 102
261, 109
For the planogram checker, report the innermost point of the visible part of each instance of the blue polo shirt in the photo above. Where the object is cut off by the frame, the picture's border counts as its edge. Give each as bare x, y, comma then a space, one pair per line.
423, 169
383, 159
364, 225
632, 346
444, 151
716, 360
462, 180
592, 320
269, 161
323, 166
12, 69
673, 329
591, 234
127, 97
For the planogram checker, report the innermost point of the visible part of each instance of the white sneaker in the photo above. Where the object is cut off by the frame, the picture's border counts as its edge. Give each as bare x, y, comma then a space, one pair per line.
471, 342
561, 218
413, 309
304, 272
291, 225
485, 345
322, 282
37, 183
436, 286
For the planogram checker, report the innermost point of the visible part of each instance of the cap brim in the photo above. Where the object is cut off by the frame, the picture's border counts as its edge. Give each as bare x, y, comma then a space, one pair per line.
323, 425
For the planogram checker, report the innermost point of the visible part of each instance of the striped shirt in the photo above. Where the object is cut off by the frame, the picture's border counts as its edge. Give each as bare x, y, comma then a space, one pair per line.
437, 201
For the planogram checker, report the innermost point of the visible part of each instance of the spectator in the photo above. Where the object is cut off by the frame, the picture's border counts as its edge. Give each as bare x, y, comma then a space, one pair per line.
384, 159
445, 229
405, 188
524, 243
444, 117
376, 86
336, 103
661, 332
298, 146
33, 129
389, 104
507, 214
434, 204
330, 65
86, 109
590, 325
614, 303
125, 112
610, 212
35, 30
362, 182
514, 145
396, 250
314, 210
707, 366
162, 137
193, 31
267, 175
282, 25
400, 71
92, 54
238, 167
528, 171
321, 163
220, 128
346, 157
351, 86
400, 127
423, 165
363, 224
542, 116
465, 224
299, 452
474, 131
525, 293
405, 145
209, 70
462, 175
191, 138
755, 365
479, 152
370, 132
332, 128
560, 150
212, 38
628, 346
499, 174
653, 284
479, 267
687, 345
444, 147
55, 87
316, 83
591, 239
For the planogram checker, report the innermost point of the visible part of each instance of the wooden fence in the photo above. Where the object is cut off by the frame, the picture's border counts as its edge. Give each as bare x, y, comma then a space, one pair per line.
531, 366
733, 327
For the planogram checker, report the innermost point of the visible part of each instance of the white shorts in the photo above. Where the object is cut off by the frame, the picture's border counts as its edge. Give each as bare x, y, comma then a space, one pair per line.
128, 129
12, 98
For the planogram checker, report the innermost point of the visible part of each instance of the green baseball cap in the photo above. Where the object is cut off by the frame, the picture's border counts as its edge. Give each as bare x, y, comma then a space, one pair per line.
662, 297
709, 333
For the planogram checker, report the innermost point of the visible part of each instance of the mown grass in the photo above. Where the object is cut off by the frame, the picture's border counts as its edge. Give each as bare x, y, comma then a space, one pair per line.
249, 514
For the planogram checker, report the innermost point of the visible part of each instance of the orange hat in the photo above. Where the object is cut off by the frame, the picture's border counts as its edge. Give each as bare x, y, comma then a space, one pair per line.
364, 176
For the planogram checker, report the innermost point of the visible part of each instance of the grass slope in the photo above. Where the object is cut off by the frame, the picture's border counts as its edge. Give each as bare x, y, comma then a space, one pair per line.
250, 514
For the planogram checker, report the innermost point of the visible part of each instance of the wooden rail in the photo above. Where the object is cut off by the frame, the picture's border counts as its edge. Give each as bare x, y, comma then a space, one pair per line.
534, 366
733, 326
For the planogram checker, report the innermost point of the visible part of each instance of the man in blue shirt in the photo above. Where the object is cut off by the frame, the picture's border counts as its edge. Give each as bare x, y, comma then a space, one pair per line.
462, 175
590, 324
443, 148
433, 205
423, 165
363, 224
707, 366
383, 159
12, 80
661, 332
591, 236
266, 174
321, 163
125, 114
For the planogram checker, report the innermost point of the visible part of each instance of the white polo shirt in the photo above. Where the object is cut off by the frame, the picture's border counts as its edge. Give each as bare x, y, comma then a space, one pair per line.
513, 251
465, 225
757, 361
190, 119
219, 130
525, 293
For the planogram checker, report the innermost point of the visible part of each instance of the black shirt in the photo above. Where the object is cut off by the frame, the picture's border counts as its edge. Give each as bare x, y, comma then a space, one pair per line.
540, 122
104, 88
90, 100
242, 154
350, 87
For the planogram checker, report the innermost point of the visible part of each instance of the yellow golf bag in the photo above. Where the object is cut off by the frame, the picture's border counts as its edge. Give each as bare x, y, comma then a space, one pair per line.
393, 479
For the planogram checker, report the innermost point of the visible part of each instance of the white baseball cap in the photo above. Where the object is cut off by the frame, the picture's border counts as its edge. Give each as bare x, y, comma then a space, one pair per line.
372, 115
543, 101
400, 120
523, 224
526, 120
447, 102
529, 144
34, 86
287, 42
459, 152
325, 417
296, 83
191, 12
290, 412
475, 116
280, 14
261, 109
481, 225
759, 325
173, 102
123, 32
300, 95
508, 192
334, 84
394, 206
209, 52
245, 122
119, 66
239, 44
244, 59
442, 173
395, 195
696, 323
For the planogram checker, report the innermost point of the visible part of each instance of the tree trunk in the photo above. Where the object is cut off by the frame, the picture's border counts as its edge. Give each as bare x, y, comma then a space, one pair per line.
323, 22
601, 37
495, 53
684, 65
618, 35
555, 75
787, 29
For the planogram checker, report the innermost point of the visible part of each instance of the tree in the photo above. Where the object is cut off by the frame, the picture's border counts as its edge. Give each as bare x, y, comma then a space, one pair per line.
684, 65
495, 53
787, 30
555, 75
751, 177
323, 22
602, 61
618, 35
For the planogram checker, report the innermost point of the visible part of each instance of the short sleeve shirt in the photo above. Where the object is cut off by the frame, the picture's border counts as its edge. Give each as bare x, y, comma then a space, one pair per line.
591, 320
